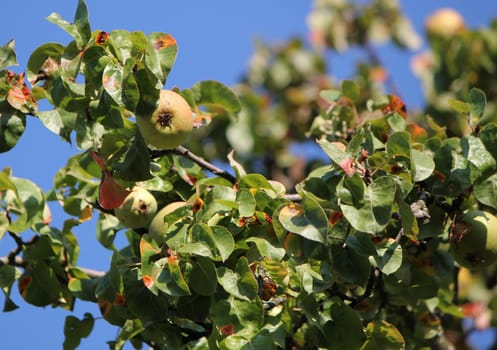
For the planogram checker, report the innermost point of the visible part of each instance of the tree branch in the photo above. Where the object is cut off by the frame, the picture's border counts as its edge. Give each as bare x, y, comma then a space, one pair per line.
20, 262
185, 152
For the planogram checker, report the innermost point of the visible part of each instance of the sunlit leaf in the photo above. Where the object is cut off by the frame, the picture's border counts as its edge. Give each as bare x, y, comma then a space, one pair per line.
383, 335
374, 213
7, 55
210, 92
80, 29
59, 121
350, 89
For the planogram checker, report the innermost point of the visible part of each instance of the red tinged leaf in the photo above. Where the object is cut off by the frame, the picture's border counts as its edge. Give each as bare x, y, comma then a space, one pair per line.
227, 330
163, 42
102, 38
335, 217
97, 158
110, 194
396, 105
104, 306
120, 299
24, 284
147, 281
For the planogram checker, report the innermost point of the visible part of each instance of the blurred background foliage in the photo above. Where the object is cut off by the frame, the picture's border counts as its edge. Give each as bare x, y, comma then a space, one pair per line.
280, 90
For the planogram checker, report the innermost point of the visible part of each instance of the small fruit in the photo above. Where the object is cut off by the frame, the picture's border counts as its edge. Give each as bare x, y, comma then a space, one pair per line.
473, 240
445, 23
138, 208
170, 124
158, 226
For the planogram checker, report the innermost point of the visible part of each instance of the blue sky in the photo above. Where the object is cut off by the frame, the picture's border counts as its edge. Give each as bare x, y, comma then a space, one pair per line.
215, 40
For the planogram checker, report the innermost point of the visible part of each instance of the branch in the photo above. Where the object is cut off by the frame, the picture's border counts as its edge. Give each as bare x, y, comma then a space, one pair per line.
185, 152
20, 262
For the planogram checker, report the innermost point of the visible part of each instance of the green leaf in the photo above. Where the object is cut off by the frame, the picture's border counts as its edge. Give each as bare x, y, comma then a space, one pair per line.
59, 121
330, 95
80, 29
12, 126
107, 227
246, 203
217, 238
129, 330
39, 285
398, 144
477, 102
210, 92
130, 163
33, 204
407, 218
389, 256
350, 89
81, 21
8, 275
246, 316
344, 330
362, 244
165, 49
40, 55
459, 106
8, 55
351, 266
170, 278
267, 249
335, 150
307, 220
112, 81
4, 223
240, 283
383, 335
478, 156
202, 278
75, 330
486, 191
374, 213
488, 136
422, 165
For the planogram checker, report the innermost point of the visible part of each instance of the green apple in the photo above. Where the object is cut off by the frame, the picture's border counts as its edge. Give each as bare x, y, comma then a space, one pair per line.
473, 240
158, 226
138, 208
170, 124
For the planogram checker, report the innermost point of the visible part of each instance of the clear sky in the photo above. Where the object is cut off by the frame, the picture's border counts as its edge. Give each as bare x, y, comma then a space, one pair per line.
215, 40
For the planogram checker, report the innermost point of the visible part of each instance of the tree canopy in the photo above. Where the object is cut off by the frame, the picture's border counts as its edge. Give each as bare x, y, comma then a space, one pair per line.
388, 241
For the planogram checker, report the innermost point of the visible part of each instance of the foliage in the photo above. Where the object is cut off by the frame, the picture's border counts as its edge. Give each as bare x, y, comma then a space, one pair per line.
349, 250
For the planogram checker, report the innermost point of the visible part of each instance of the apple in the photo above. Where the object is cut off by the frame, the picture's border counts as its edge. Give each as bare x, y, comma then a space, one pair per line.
138, 208
473, 240
170, 124
445, 23
158, 226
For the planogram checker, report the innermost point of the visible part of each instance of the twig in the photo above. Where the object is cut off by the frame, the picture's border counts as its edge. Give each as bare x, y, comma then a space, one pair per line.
20, 262
185, 152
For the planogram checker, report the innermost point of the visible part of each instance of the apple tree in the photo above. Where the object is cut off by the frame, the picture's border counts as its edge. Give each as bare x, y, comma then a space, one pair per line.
383, 236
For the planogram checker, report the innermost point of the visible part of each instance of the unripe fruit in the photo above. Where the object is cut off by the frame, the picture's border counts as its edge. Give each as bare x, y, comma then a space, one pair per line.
170, 124
445, 23
473, 240
138, 208
158, 226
